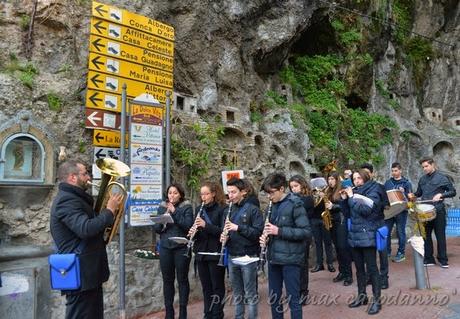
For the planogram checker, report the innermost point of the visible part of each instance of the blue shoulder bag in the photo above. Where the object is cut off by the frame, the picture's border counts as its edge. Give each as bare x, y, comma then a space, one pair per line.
65, 270
381, 237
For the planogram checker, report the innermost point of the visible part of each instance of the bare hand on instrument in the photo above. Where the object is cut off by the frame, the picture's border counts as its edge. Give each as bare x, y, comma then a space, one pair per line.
411, 197
271, 229
200, 223
113, 202
437, 197
223, 237
328, 205
229, 226
347, 192
263, 240
401, 189
192, 230
170, 208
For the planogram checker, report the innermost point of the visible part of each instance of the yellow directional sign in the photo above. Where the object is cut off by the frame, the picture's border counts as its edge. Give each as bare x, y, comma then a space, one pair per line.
130, 53
132, 20
100, 63
107, 138
103, 100
131, 36
112, 84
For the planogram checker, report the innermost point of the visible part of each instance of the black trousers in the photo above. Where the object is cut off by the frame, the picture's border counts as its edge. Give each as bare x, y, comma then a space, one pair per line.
304, 271
439, 226
87, 304
321, 235
212, 279
339, 233
174, 264
365, 258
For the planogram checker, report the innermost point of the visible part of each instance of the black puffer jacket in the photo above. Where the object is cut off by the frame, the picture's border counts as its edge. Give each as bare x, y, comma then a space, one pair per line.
73, 220
250, 223
365, 220
207, 239
183, 220
288, 247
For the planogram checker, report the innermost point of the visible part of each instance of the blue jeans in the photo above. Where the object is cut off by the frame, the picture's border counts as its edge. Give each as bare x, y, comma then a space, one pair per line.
400, 221
290, 274
244, 284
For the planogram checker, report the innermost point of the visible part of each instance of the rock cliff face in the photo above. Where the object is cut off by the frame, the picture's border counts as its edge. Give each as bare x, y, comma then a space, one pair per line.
228, 55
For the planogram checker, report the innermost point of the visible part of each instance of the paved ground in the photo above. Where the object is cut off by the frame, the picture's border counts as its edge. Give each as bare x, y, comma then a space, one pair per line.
401, 300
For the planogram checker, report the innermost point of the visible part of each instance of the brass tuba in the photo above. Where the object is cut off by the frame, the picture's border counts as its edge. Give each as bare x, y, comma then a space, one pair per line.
111, 169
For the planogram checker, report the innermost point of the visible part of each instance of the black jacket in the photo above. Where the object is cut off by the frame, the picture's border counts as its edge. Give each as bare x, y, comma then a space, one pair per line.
365, 220
207, 239
73, 220
183, 220
250, 223
288, 247
435, 183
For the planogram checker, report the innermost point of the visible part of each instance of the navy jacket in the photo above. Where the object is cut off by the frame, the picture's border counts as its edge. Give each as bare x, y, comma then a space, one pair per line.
392, 183
183, 220
288, 247
250, 223
435, 183
364, 220
207, 239
73, 220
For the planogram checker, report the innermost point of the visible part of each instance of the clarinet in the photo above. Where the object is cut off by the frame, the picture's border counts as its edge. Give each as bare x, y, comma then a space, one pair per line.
225, 232
263, 250
191, 241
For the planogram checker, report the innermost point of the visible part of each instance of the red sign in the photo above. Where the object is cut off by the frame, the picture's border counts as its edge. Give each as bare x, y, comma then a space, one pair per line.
102, 119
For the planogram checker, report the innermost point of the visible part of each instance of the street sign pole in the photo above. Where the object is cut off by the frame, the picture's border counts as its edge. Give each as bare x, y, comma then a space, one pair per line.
168, 140
122, 223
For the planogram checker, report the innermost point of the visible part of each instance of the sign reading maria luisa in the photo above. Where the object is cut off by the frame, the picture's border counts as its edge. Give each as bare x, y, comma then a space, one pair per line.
146, 158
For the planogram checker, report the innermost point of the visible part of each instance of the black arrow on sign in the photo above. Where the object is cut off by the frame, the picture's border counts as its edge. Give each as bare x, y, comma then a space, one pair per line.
99, 27
100, 10
95, 80
99, 153
93, 98
99, 137
96, 62
97, 44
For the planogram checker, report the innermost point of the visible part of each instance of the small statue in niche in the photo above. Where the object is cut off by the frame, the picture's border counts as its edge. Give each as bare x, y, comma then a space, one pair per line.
18, 153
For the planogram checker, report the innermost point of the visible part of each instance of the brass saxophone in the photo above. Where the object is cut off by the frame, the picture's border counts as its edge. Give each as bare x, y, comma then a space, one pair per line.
225, 232
263, 250
326, 215
191, 241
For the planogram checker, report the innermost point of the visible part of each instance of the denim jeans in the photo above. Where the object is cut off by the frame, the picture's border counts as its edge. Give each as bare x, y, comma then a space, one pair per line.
244, 284
290, 274
400, 221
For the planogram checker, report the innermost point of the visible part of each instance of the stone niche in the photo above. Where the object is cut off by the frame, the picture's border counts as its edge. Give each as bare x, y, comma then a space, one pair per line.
433, 114
454, 122
27, 161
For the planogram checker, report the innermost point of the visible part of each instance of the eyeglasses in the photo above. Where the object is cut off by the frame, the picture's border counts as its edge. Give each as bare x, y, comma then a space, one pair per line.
272, 192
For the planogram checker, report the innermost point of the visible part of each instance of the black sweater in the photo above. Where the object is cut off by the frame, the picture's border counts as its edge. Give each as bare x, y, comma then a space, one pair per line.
207, 239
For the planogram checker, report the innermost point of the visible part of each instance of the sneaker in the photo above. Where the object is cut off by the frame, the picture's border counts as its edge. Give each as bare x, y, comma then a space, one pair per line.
428, 264
399, 258
446, 265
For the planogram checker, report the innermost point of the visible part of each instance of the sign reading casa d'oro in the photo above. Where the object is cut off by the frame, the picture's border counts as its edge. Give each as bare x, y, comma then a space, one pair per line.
127, 48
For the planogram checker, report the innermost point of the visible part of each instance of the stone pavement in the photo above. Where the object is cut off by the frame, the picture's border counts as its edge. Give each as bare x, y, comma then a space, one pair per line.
401, 300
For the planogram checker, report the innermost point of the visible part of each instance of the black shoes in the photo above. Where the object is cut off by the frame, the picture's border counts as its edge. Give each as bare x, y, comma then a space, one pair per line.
330, 267
360, 300
348, 281
339, 277
374, 308
317, 268
384, 283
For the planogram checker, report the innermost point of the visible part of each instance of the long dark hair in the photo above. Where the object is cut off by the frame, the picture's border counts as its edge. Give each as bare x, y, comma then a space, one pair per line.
334, 193
179, 188
215, 188
305, 188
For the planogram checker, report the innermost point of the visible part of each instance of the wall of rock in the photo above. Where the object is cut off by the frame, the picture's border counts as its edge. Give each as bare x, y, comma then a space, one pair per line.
228, 55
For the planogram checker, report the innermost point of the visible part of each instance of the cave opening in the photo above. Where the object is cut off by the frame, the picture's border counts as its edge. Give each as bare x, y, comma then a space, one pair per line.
354, 101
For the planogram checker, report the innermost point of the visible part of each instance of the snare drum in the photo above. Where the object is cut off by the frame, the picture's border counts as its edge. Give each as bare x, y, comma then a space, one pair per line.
398, 203
425, 212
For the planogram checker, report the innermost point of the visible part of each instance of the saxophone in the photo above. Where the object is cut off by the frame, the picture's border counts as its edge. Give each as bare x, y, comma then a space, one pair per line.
191, 241
263, 250
225, 233
326, 215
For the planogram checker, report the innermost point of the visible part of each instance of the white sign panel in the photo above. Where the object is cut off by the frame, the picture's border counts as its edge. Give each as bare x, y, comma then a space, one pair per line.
146, 154
140, 214
146, 134
111, 152
146, 174
143, 192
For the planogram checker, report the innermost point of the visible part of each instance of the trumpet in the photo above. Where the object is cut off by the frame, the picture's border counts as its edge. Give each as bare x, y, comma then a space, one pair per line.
225, 233
191, 241
263, 250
